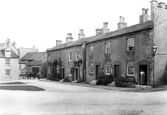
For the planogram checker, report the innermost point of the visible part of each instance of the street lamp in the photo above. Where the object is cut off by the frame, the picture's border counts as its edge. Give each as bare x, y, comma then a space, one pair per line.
154, 48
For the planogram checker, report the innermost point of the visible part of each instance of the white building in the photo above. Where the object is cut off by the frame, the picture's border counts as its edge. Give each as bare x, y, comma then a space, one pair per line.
9, 61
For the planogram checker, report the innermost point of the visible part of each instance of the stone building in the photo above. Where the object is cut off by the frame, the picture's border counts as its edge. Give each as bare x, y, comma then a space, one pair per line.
124, 52
9, 61
34, 61
69, 52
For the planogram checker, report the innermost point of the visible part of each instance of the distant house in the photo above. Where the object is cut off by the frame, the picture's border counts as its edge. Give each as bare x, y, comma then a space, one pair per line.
22, 52
34, 61
9, 61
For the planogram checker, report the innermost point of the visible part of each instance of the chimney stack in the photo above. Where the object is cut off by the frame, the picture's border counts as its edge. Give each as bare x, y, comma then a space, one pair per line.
69, 38
105, 28
58, 42
121, 24
81, 34
14, 44
98, 31
144, 17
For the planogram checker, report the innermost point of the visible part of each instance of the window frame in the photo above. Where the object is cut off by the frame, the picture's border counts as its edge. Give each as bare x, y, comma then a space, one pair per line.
69, 56
91, 67
108, 47
91, 49
127, 68
77, 55
106, 69
7, 61
8, 72
129, 44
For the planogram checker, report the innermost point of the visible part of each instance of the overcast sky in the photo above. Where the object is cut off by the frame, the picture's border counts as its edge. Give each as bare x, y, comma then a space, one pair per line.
42, 22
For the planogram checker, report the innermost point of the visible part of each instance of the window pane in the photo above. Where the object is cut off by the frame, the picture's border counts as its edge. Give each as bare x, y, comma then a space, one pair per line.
130, 44
7, 61
107, 48
108, 69
130, 68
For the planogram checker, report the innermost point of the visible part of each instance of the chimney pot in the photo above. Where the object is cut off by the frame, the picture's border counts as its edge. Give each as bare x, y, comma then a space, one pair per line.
81, 34
69, 38
58, 42
98, 31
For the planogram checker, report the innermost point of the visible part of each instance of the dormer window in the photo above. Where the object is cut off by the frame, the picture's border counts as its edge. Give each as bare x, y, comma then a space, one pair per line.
130, 44
7, 52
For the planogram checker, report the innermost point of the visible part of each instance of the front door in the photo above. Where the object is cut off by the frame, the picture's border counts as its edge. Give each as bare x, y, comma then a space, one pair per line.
63, 73
76, 73
116, 71
97, 71
143, 74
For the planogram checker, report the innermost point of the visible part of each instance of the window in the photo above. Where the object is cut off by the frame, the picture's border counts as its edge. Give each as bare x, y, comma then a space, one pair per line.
130, 44
69, 56
107, 48
49, 60
8, 72
91, 67
130, 69
7, 61
108, 69
49, 70
91, 48
77, 55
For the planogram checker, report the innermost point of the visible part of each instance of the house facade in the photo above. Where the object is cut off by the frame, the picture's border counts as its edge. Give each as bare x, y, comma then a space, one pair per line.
22, 52
34, 61
9, 59
69, 53
128, 51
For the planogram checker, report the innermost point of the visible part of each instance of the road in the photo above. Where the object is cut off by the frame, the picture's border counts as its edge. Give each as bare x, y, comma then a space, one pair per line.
65, 99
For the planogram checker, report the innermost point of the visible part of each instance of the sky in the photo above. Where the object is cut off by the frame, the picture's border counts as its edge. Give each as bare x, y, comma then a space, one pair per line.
42, 22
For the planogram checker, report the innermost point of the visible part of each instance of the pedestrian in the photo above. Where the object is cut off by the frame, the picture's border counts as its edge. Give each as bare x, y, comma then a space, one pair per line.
39, 75
142, 75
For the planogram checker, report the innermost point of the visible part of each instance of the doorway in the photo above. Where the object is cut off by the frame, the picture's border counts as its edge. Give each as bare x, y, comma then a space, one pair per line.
116, 71
97, 71
76, 73
63, 74
143, 78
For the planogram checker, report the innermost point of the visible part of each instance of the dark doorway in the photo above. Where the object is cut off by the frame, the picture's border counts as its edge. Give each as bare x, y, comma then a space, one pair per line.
116, 71
35, 69
76, 73
97, 71
63, 74
143, 78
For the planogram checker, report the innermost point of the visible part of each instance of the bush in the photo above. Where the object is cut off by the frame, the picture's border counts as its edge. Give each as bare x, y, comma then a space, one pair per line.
104, 80
125, 81
66, 79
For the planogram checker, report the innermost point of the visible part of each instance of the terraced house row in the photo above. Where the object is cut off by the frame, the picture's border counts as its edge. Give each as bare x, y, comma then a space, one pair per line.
124, 52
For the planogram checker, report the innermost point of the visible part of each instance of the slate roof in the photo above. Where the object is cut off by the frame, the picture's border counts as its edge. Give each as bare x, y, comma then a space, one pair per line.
130, 29
34, 56
134, 28
71, 44
35, 63
13, 54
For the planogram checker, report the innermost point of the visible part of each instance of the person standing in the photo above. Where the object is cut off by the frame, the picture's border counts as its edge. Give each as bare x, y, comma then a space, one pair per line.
142, 77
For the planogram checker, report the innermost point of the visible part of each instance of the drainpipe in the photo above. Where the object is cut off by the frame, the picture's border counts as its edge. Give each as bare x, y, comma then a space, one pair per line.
84, 60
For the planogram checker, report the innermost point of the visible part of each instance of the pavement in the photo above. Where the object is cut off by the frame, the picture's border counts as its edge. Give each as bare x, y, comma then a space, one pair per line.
137, 88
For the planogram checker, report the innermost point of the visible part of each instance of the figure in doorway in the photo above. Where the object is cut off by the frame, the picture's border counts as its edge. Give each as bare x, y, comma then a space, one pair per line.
142, 77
